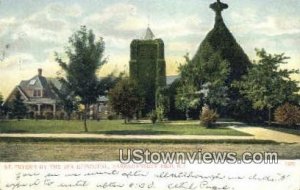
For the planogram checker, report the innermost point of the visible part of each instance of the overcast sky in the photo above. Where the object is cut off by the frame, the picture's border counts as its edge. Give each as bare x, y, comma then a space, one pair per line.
32, 30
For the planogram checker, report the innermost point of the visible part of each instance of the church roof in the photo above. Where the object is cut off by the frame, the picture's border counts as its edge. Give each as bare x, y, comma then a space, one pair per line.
149, 34
220, 40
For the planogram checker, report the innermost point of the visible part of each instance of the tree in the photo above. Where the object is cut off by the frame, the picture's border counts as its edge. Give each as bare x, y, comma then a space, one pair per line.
162, 102
287, 114
108, 82
67, 100
187, 98
1, 106
267, 85
213, 71
85, 56
125, 98
19, 109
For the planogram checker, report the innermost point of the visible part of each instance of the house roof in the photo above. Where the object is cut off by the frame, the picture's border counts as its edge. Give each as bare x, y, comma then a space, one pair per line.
40, 82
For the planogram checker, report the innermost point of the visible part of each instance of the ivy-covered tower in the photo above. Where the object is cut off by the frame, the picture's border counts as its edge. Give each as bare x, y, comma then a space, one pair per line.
147, 67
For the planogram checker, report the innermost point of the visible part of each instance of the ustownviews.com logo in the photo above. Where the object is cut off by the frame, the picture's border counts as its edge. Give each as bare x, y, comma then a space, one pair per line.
140, 156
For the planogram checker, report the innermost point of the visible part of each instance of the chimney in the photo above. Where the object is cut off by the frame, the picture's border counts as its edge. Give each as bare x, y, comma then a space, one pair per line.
40, 71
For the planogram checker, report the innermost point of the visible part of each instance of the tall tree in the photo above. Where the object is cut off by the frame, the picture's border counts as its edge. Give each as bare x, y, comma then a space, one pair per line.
1, 106
267, 85
125, 98
19, 109
85, 57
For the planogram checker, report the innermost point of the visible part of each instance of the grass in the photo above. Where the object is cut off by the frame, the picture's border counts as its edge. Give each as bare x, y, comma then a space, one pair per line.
24, 150
133, 141
286, 130
112, 127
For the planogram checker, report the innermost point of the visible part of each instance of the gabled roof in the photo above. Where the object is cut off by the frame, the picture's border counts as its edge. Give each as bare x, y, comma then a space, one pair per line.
41, 82
149, 34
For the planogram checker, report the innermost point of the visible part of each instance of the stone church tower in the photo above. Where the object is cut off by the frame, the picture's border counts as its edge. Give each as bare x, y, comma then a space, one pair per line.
147, 67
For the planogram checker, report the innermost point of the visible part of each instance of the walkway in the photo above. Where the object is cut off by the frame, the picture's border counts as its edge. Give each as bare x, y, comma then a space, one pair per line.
268, 134
138, 137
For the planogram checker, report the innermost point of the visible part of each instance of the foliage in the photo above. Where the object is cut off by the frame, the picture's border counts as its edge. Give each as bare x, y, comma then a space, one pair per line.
110, 117
186, 98
267, 85
153, 116
19, 109
287, 114
186, 93
174, 112
213, 73
85, 56
67, 100
1, 99
208, 116
125, 98
1, 106
108, 82
219, 61
162, 102
148, 69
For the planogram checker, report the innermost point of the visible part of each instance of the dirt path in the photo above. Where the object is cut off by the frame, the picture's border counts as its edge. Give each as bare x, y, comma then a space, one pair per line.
141, 137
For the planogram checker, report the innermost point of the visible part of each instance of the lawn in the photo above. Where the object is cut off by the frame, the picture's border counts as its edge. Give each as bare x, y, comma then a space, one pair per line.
113, 127
22, 150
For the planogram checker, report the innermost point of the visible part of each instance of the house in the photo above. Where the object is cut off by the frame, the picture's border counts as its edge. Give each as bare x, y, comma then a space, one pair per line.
42, 102
38, 96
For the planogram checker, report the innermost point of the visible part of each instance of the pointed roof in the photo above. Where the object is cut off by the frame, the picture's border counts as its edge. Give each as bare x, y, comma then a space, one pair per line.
220, 40
149, 34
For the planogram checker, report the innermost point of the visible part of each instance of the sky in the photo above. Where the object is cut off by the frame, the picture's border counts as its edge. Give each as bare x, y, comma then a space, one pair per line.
32, 30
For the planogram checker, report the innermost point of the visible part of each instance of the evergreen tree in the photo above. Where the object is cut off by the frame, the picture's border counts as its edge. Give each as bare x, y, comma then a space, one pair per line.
19, 109
267, 85
85, 56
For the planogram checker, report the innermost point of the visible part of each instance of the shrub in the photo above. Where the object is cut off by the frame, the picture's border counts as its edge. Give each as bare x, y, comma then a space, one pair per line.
208, 117
49, 115
153, 117
110, 117
287, 114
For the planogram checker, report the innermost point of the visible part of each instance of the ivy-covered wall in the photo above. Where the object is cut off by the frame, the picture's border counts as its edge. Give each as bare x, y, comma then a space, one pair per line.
147, 67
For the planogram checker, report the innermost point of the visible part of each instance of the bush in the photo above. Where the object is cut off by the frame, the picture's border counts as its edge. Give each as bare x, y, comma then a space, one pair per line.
287, 114
49, 115
110, 117
208, 117
153, 117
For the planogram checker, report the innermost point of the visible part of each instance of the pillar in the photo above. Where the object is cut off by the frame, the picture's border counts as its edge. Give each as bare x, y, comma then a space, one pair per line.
39, 109
54, 110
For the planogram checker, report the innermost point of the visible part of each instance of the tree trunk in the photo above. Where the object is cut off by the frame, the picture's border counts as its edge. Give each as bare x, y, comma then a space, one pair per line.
270, 115
187, 114
85, 118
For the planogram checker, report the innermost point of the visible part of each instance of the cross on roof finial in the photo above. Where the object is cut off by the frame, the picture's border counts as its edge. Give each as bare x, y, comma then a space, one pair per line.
218, 7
